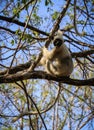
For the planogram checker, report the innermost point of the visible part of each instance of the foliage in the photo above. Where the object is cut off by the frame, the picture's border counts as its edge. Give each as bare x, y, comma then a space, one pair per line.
29, 97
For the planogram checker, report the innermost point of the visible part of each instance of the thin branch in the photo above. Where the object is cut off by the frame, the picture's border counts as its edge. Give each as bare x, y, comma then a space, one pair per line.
83, 11
75, 17
86, 122
28, 103
32, 101
21, 8
80, 42
47, 108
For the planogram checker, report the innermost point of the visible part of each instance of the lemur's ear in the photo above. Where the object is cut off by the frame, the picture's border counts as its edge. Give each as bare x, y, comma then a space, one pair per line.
59, 32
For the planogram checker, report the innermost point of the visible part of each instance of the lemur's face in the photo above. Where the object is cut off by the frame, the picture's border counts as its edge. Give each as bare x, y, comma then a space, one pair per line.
58, 42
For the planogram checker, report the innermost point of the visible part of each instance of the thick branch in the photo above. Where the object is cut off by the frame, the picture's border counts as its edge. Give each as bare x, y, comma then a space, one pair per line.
18, 68
56, 25
42, 75
14, 32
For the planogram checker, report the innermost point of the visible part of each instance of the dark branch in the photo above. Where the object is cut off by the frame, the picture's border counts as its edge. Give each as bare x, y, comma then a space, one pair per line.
6, 29
18, 68
11, 20
83, 54
80, 42
43, 75
58, 21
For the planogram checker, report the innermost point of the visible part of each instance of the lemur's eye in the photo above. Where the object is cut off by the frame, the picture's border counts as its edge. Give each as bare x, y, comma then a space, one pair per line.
57, 42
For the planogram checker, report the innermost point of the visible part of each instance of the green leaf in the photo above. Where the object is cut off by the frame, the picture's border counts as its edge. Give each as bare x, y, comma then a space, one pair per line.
15, 11
55, 15
9, 128
24, 1
47, 2
12, 42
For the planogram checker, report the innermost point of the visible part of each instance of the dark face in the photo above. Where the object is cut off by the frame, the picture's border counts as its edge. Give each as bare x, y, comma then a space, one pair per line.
57, 42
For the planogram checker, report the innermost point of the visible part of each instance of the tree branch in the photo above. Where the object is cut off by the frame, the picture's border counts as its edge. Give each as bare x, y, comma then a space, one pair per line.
83, 54
6, 29
79, 42
43, 75
11, 20
18, 68
56, 25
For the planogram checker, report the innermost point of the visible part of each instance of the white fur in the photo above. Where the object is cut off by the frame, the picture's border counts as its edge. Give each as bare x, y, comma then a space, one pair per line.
57, 61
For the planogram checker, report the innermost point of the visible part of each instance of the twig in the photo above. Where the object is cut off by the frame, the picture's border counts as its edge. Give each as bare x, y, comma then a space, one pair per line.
42, 111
